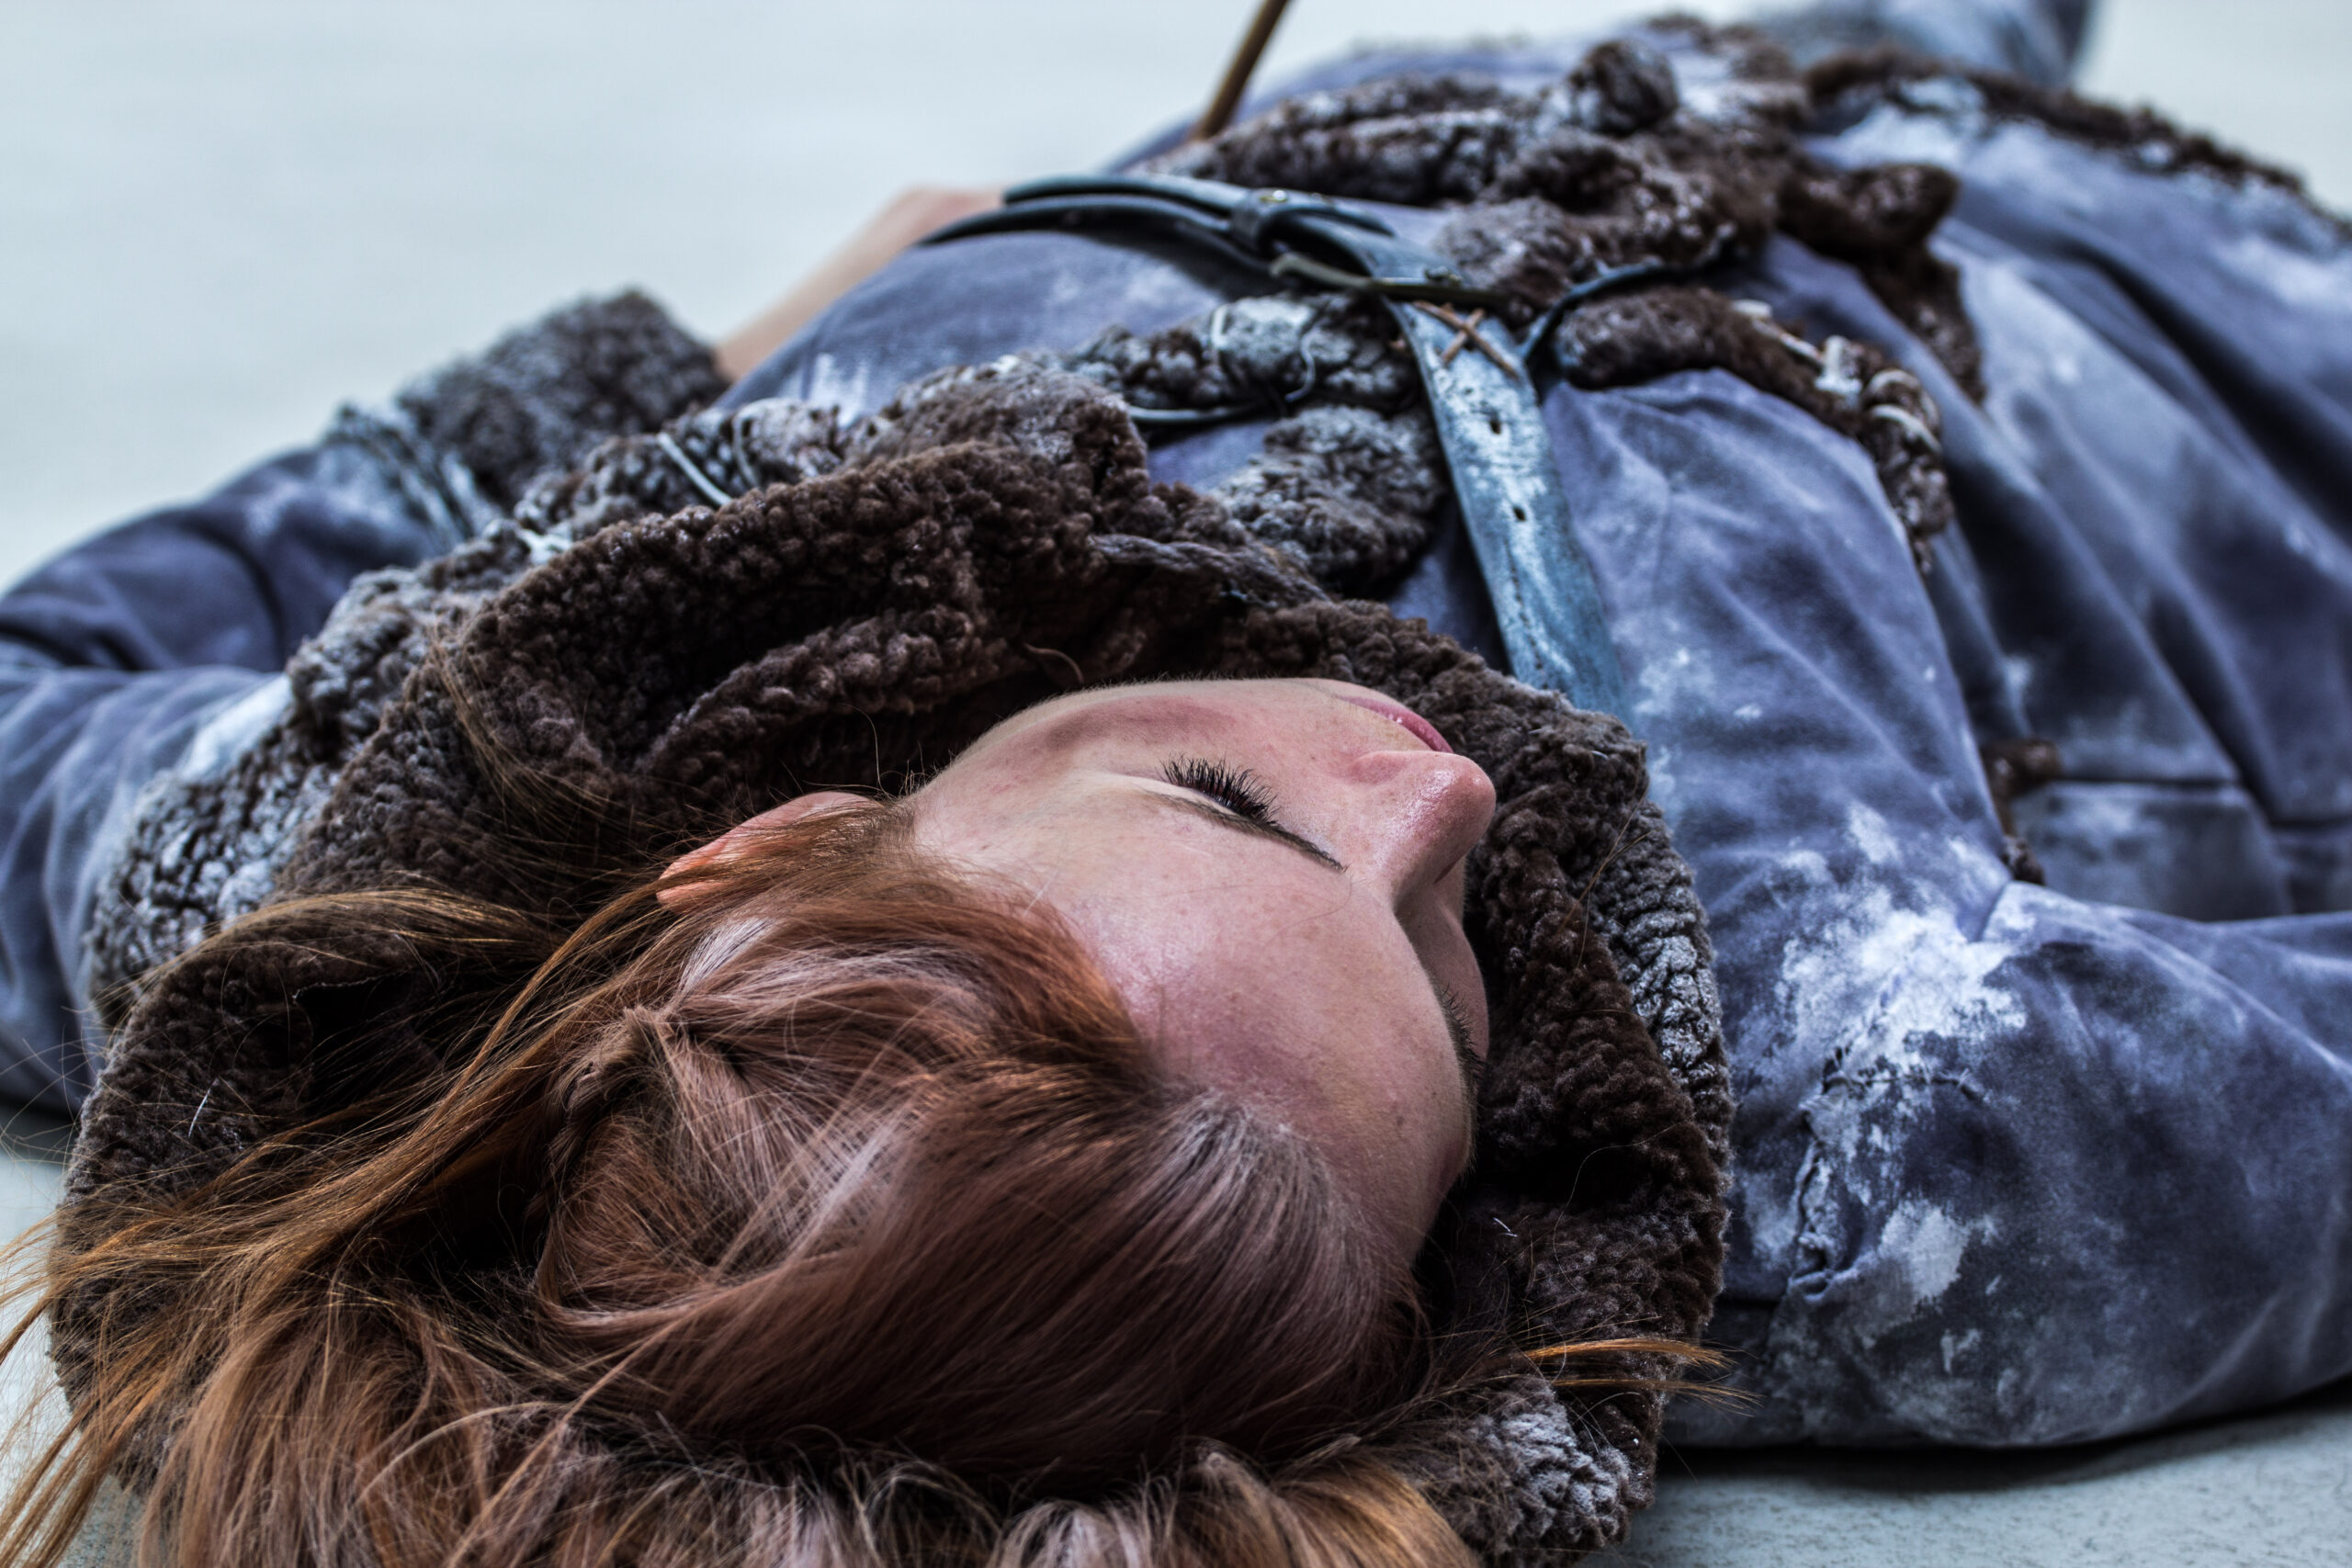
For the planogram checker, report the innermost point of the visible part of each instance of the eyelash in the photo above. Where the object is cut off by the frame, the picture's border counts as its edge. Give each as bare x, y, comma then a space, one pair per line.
1235, 789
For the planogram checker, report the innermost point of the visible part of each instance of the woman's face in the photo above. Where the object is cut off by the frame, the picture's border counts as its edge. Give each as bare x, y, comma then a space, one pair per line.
1270, 872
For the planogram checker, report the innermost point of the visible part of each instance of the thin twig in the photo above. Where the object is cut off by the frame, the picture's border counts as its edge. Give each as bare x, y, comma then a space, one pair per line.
1219, 114
1467, 333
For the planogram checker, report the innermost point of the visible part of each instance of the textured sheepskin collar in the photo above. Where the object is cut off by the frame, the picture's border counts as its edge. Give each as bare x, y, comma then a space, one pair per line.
992, 538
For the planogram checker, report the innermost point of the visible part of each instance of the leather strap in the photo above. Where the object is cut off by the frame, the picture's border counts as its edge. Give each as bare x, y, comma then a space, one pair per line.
1481, 391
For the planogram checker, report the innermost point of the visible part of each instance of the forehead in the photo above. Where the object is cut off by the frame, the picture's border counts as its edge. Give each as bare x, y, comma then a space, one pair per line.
1129, 712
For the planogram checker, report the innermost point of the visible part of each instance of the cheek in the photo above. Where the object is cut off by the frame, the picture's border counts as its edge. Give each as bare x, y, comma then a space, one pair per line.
1438, 938
1337, 1035
1385, 1109
1295, 996
1409, 1142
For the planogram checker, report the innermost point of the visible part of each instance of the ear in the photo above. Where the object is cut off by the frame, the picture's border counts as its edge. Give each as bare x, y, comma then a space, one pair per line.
733, 841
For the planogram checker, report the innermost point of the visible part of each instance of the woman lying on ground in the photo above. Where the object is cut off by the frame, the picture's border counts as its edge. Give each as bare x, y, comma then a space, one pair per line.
866, 966
1044, 1158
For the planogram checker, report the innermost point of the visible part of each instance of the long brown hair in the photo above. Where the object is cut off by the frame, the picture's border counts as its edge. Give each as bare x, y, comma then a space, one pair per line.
832, 1217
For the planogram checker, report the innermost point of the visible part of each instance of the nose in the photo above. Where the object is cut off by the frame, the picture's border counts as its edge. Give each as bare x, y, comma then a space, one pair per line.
1419, 812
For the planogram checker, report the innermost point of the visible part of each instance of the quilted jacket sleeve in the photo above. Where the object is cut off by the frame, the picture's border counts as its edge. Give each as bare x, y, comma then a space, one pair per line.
169, 631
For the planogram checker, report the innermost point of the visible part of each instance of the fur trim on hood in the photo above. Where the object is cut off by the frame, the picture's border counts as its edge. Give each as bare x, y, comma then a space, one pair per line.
990, 538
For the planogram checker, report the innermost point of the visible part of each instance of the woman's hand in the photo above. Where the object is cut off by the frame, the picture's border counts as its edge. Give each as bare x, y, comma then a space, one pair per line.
909, 216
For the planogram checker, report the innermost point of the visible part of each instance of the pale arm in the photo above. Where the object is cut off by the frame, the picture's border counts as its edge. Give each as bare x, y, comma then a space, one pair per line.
909, 216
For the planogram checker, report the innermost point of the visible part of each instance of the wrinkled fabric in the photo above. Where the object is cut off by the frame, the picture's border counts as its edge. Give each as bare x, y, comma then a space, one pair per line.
2013, 1164
2037, 1165
2037, 39
114, 656
160, 645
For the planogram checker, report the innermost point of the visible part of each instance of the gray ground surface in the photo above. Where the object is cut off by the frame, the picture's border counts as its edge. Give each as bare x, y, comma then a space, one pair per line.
2274, 1490
31, 1149
217, 220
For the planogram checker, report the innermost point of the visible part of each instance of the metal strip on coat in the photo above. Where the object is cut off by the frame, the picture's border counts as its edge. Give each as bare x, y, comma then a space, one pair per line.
1482, 397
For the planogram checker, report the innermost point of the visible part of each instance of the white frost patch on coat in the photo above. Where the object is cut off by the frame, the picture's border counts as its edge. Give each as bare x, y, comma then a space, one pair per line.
2105, 817
1666, 792
1871, 834
236, 728
1677, 676
842, 384
1870, 980
1809, 866
1926, 1245
2043, 368
1900, 133
2304, 281
1772, 1217
1917, 1259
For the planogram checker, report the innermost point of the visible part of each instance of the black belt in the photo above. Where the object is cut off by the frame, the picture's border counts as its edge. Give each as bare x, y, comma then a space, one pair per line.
1481, 391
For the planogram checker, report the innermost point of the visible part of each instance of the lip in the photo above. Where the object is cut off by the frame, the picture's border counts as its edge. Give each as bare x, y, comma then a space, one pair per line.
1398, 714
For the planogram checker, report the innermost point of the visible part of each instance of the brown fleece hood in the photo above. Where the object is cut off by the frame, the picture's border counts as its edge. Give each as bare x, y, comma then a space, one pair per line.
988, 540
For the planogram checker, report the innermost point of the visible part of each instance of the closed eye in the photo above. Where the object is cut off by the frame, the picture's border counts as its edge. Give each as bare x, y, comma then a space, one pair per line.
1241, 802
1235, 789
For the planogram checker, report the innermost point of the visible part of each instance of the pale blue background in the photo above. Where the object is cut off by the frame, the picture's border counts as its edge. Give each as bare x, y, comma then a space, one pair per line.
236, 212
